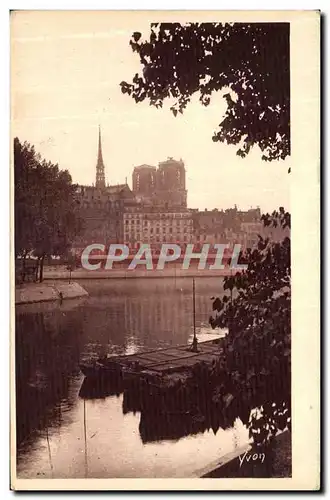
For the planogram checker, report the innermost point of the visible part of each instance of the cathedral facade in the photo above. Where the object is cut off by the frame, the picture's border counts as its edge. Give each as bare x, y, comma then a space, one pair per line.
108, 212
101, 208
155, 212
163, 187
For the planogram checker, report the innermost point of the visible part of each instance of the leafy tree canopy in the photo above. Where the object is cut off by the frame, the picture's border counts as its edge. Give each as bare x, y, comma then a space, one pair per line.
249, 63
257, 349
46, 217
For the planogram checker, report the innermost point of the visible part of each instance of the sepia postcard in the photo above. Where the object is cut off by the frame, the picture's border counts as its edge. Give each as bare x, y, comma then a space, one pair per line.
165, 283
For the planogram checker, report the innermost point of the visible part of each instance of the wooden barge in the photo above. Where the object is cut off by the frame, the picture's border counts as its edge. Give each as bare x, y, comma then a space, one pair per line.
158, 366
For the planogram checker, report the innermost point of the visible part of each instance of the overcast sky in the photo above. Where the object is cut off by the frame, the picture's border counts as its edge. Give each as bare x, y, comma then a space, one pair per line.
66, 70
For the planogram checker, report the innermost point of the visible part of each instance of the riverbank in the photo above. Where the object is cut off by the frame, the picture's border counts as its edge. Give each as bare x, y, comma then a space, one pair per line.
250, 462
60, 273
31, 293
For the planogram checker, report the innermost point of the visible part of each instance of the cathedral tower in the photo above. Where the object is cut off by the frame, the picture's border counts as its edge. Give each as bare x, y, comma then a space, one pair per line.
100, 175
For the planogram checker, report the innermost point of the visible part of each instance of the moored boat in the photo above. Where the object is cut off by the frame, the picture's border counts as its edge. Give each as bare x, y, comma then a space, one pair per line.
162, 367
96, 368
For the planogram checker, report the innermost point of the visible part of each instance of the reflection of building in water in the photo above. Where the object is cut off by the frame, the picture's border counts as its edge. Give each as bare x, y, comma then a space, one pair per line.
144, 315
165, 316
46, 360
153, 318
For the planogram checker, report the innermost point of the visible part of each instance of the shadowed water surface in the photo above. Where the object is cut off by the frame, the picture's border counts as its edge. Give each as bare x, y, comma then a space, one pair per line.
62, 435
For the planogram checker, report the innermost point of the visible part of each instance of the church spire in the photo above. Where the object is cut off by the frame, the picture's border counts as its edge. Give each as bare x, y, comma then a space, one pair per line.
100, 176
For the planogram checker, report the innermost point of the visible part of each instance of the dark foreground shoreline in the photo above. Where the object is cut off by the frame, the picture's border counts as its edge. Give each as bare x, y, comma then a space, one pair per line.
251, 463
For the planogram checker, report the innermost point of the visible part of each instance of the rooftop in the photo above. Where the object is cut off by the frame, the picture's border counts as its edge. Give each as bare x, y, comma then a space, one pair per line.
144, 166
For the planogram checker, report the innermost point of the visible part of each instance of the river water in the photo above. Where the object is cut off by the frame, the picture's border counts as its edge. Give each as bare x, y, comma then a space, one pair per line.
61, 434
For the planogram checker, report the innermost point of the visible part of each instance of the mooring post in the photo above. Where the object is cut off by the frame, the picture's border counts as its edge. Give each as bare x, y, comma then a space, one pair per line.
195, 342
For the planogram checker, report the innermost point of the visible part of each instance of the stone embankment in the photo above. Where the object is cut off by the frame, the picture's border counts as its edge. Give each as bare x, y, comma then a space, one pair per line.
61, 273
250, 462
43, 292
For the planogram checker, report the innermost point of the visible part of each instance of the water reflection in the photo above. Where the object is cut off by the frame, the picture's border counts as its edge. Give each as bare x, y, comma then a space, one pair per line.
47, 353
104, 432
170, 413
101, 388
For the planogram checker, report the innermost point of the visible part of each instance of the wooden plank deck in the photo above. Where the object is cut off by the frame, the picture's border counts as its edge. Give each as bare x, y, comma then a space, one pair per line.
169, 359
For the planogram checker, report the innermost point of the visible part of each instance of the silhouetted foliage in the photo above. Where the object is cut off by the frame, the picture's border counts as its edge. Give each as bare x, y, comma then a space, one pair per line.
248, 62
257, 349
46, 213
